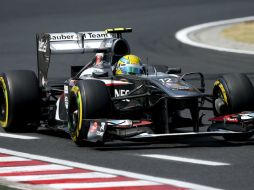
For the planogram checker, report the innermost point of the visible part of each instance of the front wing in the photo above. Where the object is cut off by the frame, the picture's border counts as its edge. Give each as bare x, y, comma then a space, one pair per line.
141, 130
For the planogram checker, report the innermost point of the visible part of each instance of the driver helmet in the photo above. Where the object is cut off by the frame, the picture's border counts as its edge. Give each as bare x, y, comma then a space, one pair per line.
129, 64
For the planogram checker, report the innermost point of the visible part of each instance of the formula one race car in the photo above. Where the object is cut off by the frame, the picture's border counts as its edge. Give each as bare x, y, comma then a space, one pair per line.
95, 105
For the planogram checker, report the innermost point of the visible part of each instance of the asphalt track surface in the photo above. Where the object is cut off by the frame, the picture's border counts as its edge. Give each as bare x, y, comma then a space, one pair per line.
155, 24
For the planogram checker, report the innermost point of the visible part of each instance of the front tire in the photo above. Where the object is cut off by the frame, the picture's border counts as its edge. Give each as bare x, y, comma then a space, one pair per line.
89, 99
233, 93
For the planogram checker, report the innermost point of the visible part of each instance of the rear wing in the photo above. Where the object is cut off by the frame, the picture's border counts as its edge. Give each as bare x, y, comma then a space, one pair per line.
109, 41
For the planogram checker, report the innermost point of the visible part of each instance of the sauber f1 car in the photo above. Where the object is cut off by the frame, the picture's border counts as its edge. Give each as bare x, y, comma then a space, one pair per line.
94, 105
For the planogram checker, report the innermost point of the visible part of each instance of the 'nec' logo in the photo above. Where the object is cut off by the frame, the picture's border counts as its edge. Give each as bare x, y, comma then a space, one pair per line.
121, 92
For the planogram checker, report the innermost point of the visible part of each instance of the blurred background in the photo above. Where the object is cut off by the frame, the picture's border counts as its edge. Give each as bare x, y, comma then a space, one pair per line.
154, 26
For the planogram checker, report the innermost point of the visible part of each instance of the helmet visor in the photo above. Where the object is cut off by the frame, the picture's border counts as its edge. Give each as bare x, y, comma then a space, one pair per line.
132, 70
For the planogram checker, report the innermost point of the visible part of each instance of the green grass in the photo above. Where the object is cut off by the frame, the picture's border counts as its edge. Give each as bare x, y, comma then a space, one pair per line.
242, 32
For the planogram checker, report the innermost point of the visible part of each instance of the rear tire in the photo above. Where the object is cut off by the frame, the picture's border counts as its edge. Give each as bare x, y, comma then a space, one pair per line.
233, 93
89, 99
19, 101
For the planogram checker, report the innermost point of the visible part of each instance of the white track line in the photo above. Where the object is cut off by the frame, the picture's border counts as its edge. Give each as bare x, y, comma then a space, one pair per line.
103, 184
12, 159
33, 168
109, 171
24, 137
183, 35
60, 176
187, 160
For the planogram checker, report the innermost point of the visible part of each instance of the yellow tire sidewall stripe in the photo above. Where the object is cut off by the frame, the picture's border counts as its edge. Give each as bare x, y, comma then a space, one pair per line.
4, 122
223, 91
77, 93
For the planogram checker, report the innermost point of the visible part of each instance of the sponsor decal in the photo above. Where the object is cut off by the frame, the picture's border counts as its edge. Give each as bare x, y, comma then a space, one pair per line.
247, 116
97, 128
175, 84
121, 92
66, 89
44, 81
120, 123
96, 35
63, 37
96, 131
93, 127
164, 81
101, 130
42, 46
66, 102
66, 99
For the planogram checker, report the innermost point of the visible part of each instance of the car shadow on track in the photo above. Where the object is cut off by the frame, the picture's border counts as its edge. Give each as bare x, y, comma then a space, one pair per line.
54, 133
172, 144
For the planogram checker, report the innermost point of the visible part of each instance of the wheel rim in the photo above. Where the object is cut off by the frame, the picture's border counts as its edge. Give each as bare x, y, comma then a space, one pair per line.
220, 106
75, 113
221, 92
74, 118
3, 103
220, 96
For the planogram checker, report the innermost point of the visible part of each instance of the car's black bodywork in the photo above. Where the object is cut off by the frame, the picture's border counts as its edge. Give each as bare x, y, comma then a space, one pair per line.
97, 106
